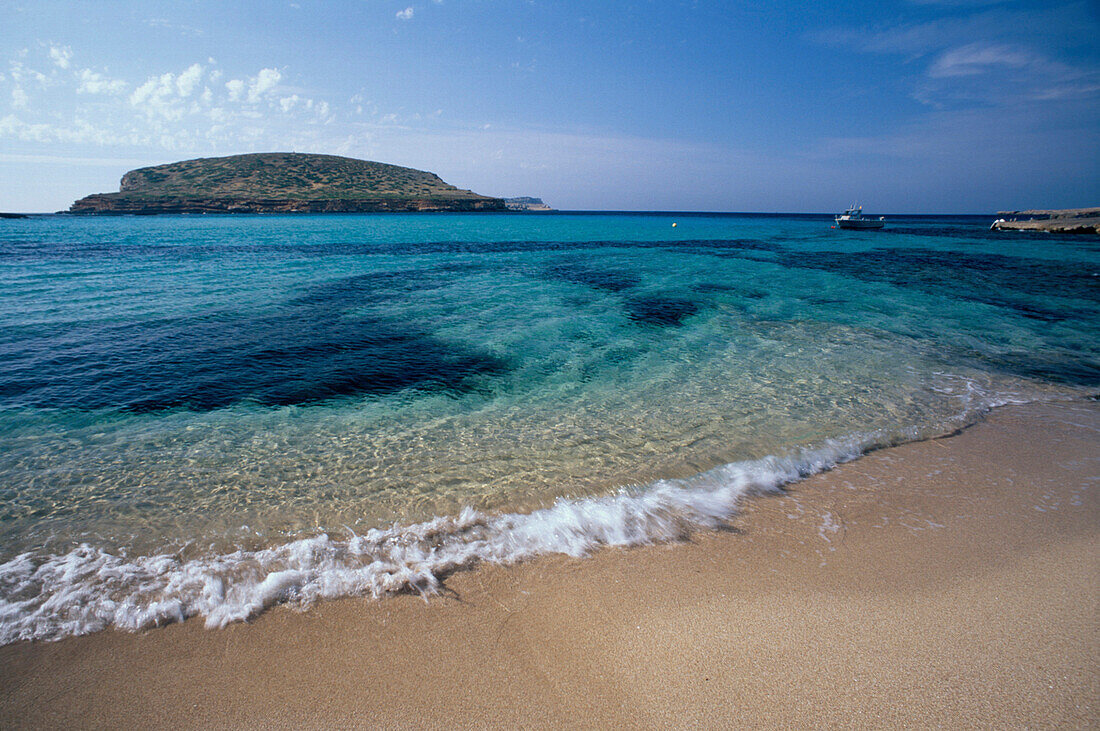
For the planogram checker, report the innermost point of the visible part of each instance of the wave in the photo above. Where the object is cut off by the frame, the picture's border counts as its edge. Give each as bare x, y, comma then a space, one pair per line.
89, 589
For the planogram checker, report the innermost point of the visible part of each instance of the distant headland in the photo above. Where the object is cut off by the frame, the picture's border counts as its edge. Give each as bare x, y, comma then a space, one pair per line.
282, 182
526, 203
1065, 221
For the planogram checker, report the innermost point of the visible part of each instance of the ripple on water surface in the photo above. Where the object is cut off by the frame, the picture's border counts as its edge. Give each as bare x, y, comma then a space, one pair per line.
175, 392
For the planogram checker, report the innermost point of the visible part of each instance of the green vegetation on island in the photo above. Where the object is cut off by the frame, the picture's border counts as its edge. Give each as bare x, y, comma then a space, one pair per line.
282, 182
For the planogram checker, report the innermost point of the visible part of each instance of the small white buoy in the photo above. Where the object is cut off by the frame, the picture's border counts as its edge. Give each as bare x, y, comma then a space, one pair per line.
674, 225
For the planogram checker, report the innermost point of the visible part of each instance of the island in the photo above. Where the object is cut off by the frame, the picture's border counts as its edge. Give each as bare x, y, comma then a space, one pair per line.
1064, 221
282, 182
526, 203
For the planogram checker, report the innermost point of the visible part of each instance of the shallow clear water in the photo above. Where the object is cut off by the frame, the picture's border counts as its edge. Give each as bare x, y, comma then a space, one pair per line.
201, 387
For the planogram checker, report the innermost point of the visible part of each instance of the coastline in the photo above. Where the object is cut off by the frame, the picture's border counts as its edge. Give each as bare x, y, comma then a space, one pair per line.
948, 581
1065, 221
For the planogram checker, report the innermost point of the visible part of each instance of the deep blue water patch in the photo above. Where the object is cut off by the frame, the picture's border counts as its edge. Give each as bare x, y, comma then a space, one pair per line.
1003, 281
1044, 291
310, 350
660, 311
362, 289
609, 280
741, 248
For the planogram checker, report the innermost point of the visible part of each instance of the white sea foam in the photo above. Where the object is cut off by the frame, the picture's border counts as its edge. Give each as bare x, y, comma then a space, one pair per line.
89, 589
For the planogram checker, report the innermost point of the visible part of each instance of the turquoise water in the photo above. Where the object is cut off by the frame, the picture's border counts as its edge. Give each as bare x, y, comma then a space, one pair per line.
195, 402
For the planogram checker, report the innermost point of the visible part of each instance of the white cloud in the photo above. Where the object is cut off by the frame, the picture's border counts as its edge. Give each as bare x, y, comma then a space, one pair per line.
61, 55
236, 89
146, 90
405, 14
11, 126
92, 82
158, 97
166, 96
79, 131
255, 88
20, 73
262, 83
189, 79
189, 110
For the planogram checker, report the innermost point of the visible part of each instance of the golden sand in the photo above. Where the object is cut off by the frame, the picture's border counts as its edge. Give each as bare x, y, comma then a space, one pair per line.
950, 582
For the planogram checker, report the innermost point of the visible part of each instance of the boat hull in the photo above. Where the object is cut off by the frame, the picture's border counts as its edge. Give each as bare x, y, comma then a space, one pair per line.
860, 224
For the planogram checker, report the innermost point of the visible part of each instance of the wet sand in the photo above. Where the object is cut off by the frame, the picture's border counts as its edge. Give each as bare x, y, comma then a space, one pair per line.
950, 582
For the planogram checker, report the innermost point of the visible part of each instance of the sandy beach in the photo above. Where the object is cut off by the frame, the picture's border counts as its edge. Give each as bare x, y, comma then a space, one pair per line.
949, 582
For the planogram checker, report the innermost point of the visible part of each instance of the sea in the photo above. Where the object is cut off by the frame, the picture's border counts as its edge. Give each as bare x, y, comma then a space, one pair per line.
207, 416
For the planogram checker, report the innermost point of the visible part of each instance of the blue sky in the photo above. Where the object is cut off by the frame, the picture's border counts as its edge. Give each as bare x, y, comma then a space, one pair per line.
911, 106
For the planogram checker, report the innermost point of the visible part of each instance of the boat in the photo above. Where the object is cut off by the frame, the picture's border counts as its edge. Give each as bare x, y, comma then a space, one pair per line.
854, 218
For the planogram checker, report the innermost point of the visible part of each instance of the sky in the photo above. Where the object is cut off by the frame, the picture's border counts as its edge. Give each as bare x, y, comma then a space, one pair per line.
906, 106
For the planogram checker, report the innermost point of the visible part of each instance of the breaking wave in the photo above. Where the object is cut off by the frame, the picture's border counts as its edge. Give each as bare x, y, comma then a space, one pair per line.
89, 589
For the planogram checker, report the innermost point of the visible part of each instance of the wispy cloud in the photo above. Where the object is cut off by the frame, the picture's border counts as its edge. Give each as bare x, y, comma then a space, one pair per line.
405, 14
959, 3
72, 160
188, 30
978, 58
20, 73
1002, 75
973, 54
910, 39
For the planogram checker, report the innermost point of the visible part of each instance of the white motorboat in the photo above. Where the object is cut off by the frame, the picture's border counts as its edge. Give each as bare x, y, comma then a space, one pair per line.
854, 218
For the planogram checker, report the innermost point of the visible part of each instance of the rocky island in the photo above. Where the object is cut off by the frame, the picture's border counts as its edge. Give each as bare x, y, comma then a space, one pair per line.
526, 203
282, 182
